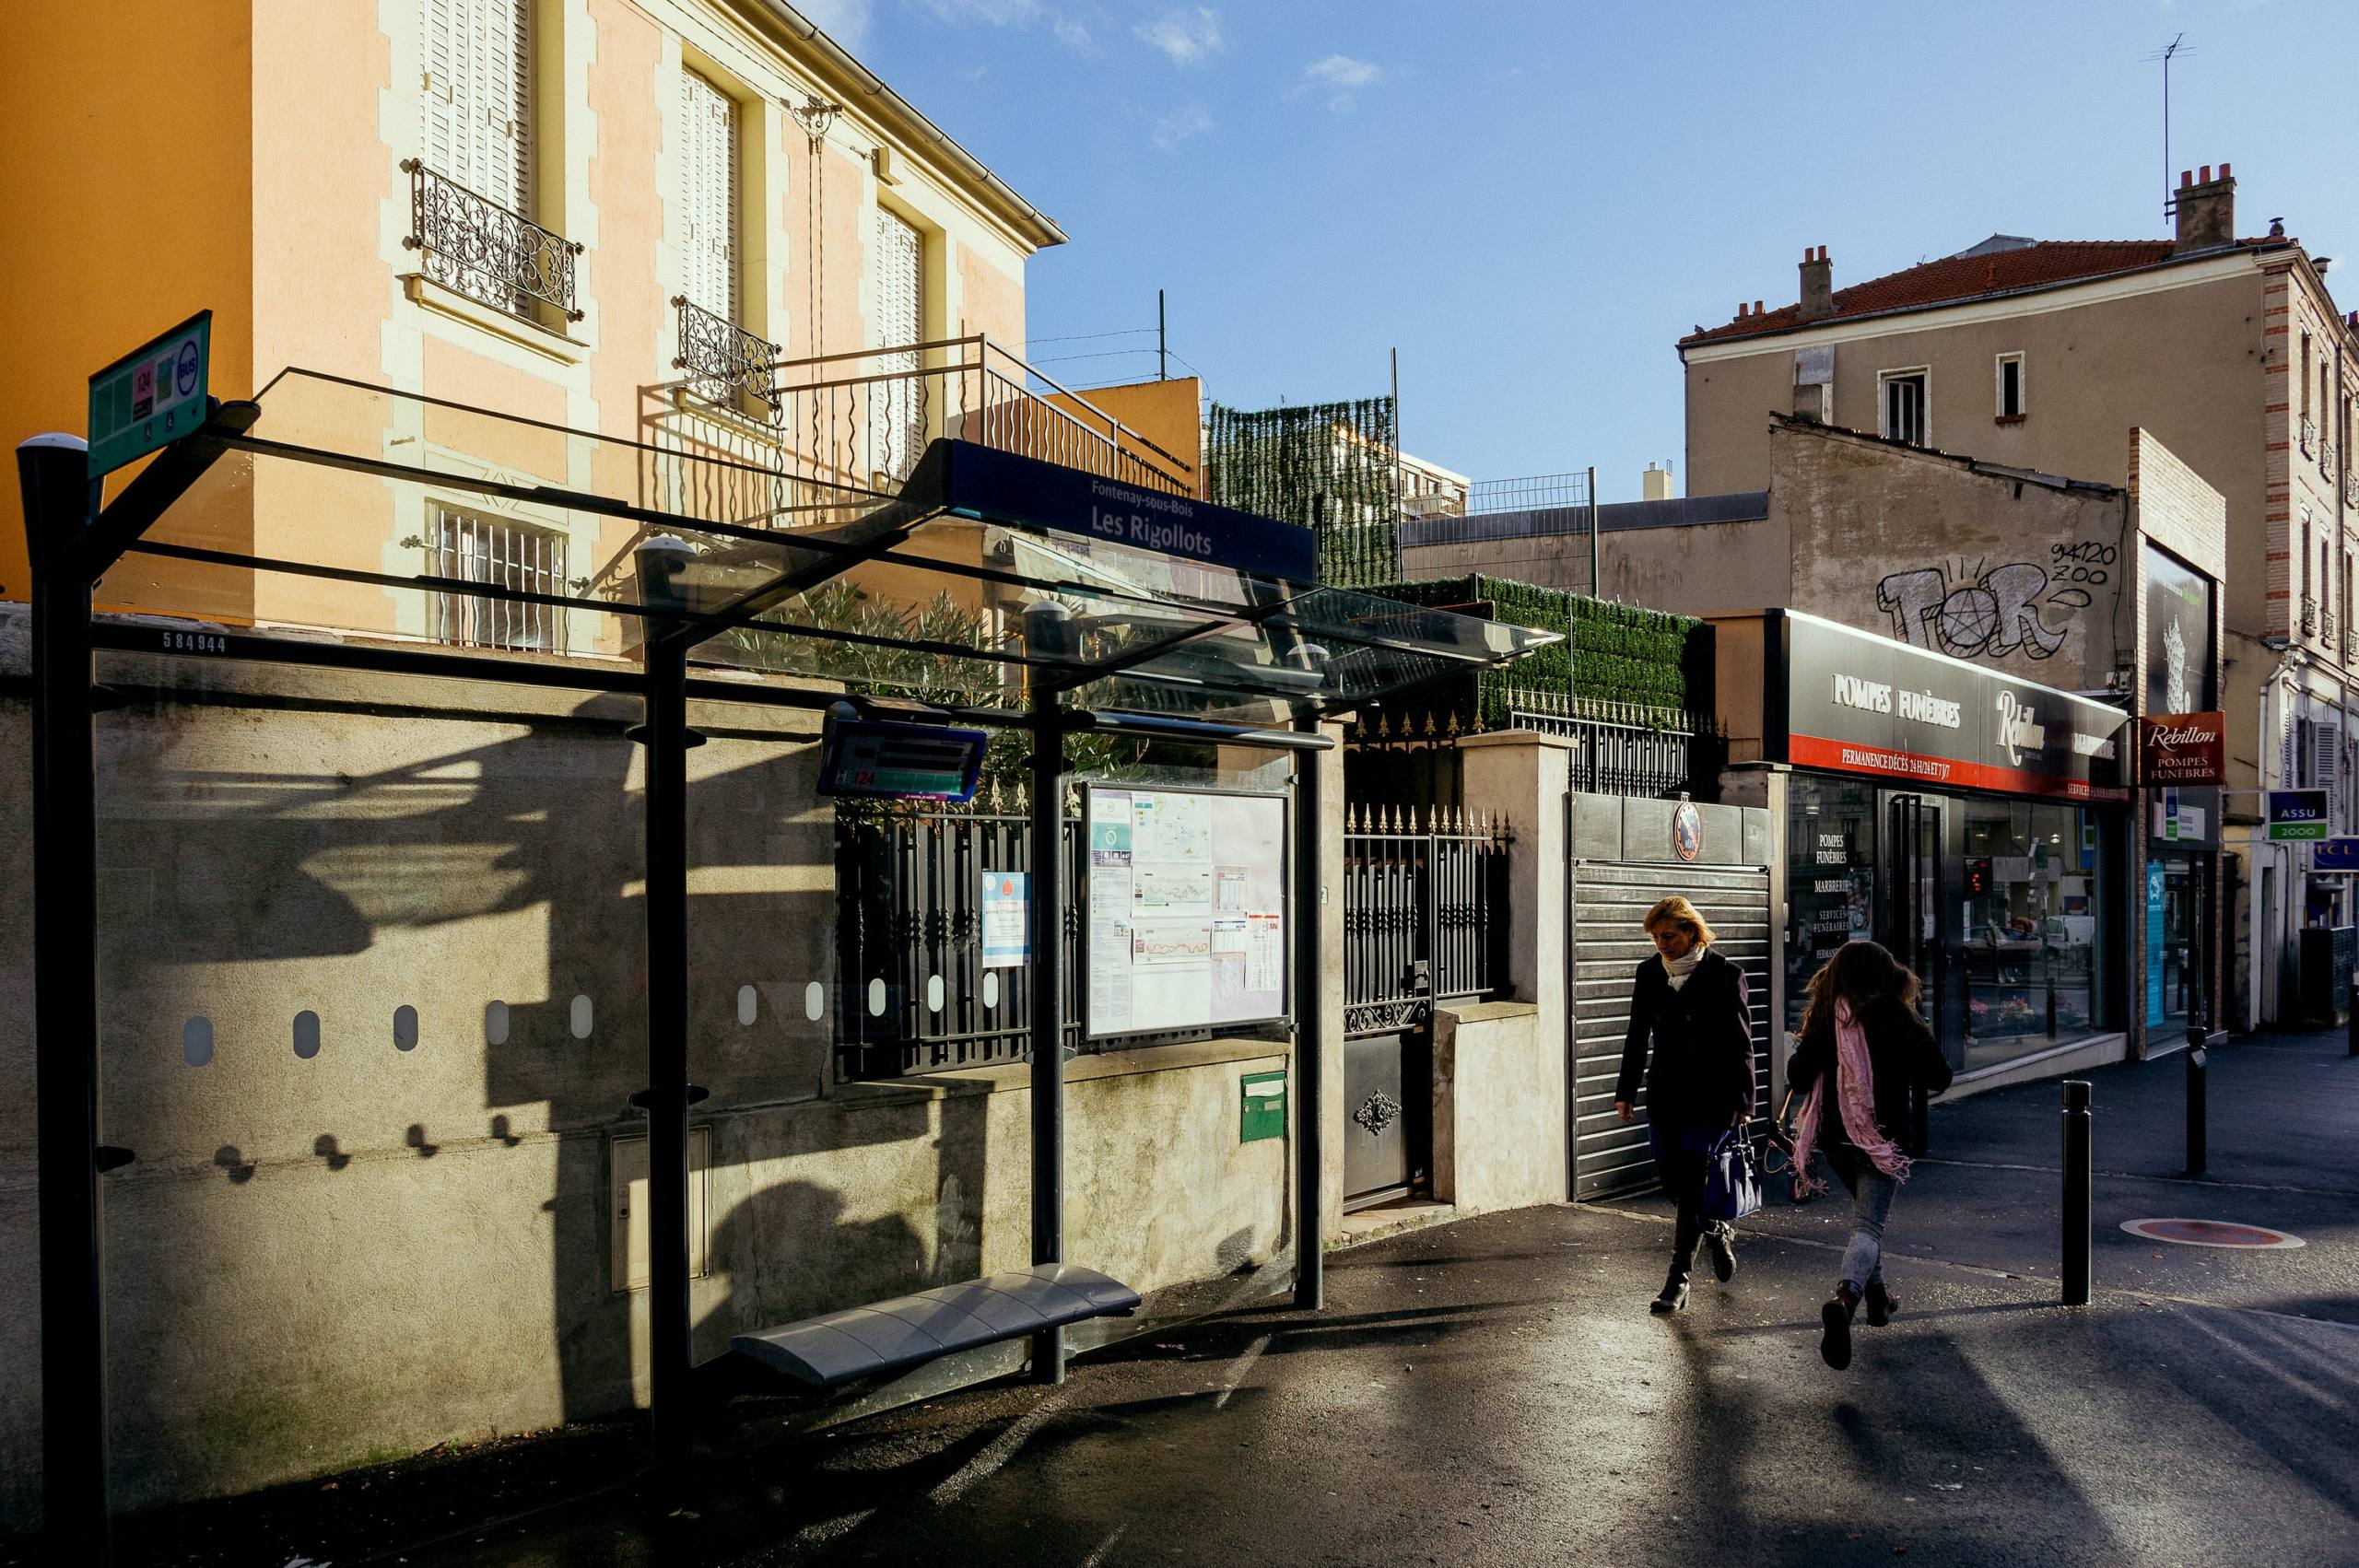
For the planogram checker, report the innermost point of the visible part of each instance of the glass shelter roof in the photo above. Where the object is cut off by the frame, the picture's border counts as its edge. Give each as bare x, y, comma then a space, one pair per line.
988, 579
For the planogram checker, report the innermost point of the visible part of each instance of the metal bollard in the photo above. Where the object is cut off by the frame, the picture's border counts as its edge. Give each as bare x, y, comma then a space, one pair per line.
2196, 1108
2077, 1192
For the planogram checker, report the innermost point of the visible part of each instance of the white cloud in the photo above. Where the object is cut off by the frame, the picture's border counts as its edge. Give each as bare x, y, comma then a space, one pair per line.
1192, 120
846, 21
1188, 37
1072, 33
1341, 77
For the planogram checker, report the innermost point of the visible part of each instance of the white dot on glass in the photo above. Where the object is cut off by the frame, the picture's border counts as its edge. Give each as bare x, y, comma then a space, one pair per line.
495, 1023
933, 994
749, 1005
404, 1028
307, 1033
991, 987
815, 1000
582, 1016
877, 998
197, 1041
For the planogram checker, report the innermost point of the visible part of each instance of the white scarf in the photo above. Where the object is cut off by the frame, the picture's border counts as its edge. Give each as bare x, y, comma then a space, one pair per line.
1678, 969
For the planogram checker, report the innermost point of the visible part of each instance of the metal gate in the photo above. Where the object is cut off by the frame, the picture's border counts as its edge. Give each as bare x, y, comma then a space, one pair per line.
1729, 881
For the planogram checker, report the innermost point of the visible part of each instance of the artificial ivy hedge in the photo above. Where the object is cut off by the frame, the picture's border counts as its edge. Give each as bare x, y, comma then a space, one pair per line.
1330, 467
1612, 652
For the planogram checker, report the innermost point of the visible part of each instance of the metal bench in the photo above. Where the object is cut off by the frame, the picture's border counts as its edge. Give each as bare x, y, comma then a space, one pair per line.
842, 1346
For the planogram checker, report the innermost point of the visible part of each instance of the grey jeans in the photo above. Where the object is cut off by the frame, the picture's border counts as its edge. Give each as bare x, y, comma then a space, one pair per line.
1872, 1194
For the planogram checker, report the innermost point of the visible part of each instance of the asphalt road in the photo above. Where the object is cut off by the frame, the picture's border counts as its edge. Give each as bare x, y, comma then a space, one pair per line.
1493, 1391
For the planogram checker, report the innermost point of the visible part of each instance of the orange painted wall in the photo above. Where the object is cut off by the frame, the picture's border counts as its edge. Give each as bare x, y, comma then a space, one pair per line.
1168, 413
131, 145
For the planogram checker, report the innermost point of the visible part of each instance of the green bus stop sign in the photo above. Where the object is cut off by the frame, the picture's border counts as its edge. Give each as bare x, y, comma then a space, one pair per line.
152, 396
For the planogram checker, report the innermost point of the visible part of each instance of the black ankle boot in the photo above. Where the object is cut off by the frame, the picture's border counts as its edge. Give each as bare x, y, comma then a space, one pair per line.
1835, 1320
1720, 1241
1674, 1293
1882, 1303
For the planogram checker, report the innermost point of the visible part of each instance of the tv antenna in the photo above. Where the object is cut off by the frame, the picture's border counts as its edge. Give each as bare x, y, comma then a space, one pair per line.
2169, 51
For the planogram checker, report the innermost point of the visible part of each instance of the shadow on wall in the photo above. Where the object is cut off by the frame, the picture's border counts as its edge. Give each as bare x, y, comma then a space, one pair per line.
393, 903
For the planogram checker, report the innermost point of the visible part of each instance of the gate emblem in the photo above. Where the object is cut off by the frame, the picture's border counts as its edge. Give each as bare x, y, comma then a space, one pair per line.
1378, 1112
1687, 831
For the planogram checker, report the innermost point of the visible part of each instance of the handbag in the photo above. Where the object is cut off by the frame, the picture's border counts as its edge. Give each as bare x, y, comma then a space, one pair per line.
1731, 1178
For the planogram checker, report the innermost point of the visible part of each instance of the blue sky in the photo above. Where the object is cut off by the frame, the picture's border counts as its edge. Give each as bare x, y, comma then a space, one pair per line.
1532, 200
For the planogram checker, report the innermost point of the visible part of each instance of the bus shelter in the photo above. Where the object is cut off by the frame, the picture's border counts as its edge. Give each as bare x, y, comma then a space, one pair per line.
990, 592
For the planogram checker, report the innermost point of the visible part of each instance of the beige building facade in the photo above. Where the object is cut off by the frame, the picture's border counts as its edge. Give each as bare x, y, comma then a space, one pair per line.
2231, 352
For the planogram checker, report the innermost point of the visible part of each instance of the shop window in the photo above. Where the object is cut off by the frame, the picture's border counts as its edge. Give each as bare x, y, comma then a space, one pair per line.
2031, 953
1830, 877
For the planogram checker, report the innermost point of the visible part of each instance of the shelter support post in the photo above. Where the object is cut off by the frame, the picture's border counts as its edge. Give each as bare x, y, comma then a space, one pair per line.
61, 504
666, 739
1046, 916
1309, 1032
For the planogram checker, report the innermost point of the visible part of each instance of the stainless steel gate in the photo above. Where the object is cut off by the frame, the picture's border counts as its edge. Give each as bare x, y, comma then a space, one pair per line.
1730, 881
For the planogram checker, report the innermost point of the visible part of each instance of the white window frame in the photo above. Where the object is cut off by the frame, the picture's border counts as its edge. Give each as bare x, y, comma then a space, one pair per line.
1923, 376
1999, 385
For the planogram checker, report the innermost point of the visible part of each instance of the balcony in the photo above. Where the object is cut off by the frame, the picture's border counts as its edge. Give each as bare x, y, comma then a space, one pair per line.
2309, 437
728, 367
2309, 617
474, 247
864, 417
2328, 638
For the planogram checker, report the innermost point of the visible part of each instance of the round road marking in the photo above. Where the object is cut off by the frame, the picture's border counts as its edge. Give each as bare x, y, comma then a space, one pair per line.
2209, 1232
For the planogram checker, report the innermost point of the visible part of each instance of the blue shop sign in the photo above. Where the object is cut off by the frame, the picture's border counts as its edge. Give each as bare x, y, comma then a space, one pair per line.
960, 476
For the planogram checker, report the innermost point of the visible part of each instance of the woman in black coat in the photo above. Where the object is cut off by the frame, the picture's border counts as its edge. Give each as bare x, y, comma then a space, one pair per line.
1864, 1056
1693, 1008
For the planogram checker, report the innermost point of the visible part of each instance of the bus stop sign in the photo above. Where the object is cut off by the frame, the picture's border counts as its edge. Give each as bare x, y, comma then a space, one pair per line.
152, 396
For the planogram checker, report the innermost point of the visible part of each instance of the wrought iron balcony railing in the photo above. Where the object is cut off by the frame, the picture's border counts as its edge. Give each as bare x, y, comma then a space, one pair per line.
2330, 639
728, 367
478, 248
2309, 437
2309, 617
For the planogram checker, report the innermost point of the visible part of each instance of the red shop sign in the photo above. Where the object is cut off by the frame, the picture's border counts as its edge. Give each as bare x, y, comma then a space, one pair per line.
2183, 748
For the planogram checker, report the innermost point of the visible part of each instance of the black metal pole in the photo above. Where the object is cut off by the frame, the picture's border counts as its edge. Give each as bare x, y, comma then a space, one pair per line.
60, 502
1162, 342
2351, 1038
1309, 1032
672, 1417
2078, 1183
2198, 1033
1048, 1007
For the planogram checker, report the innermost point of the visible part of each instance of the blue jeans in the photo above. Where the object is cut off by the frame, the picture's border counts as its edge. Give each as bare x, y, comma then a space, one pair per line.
1871, 1195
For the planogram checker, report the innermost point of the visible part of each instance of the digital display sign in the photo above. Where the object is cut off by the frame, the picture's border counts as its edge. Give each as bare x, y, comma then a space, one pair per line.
887, 759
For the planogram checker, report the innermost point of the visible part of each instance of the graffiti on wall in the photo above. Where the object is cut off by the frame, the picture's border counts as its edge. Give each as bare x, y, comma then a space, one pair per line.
2021, 606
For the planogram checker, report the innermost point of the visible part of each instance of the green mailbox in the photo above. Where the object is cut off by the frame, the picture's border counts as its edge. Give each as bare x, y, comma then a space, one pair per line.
1263, 1113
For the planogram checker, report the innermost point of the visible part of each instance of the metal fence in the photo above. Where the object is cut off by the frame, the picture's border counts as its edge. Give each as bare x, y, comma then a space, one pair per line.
863, 417
1622, 748
917, 996
1425, 913
1533, 492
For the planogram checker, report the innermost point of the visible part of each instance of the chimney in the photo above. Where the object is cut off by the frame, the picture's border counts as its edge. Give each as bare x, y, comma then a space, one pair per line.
2207, 211
1818, 285
1656, 486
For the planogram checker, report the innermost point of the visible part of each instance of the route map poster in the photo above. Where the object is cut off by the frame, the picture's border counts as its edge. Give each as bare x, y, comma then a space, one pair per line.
1187, 909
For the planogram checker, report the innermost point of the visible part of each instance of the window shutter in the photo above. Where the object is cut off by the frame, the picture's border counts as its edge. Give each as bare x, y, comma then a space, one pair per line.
896, 408
478, 97
708, 194
2326, 751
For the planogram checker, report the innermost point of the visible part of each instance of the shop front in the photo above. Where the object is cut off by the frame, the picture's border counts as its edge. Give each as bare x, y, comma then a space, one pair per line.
1973, 823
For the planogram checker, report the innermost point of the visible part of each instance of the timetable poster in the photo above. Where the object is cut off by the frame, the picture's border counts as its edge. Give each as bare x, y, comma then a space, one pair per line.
1187, 909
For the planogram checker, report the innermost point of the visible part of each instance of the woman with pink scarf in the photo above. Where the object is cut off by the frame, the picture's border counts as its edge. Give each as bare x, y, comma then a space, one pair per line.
1864, 1053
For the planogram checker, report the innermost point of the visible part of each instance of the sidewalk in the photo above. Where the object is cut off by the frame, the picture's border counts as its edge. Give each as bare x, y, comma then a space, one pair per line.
1493, 1391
